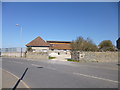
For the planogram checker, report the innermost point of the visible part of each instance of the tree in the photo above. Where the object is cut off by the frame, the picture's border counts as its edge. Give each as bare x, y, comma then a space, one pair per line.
90, 46
83, 45
29, 49
77, 44
106, 45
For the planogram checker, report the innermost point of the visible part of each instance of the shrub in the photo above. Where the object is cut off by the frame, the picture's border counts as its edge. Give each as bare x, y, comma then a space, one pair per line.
29, 49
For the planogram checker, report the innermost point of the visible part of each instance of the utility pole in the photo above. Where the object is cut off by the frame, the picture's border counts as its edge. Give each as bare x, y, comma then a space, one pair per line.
18, 25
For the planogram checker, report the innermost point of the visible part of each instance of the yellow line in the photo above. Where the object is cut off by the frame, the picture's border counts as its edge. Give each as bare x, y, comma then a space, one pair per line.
17, 78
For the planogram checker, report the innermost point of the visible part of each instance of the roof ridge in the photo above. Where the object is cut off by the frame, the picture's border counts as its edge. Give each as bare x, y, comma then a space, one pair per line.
37, 42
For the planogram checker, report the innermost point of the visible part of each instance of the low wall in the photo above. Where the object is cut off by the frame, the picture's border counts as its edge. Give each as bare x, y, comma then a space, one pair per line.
12, 54
37, 55
33, 55
95, 56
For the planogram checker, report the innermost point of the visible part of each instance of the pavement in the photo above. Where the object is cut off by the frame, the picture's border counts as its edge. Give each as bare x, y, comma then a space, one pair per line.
59, 74
9, 80
61, 57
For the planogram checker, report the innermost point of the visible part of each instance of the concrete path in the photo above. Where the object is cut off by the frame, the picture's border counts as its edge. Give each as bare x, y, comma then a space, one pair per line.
61, 57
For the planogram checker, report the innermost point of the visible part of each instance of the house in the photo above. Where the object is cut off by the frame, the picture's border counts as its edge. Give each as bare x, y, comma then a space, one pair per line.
38, 44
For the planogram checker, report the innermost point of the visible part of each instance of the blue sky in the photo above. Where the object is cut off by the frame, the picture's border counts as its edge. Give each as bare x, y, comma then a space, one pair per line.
1, 24
59, 21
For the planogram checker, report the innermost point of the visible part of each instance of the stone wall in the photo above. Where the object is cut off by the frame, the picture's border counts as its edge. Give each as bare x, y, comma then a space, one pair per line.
95, 56
33, 55
37, 55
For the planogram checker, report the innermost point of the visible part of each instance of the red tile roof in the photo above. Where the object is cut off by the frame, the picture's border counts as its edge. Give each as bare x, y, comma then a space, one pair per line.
37, 42
61, 46
59, 41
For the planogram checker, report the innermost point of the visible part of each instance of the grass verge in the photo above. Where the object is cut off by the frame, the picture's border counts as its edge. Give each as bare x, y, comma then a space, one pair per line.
72, 60
52, 57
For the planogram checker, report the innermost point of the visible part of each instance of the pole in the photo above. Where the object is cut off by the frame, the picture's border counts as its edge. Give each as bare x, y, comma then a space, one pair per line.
21, 52
21, 39
20, 36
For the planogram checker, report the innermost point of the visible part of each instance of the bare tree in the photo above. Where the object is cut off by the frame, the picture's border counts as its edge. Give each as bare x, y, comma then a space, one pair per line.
80, 44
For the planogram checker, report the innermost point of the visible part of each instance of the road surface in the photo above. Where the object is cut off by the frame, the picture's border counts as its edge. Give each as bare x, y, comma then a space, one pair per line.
53, 74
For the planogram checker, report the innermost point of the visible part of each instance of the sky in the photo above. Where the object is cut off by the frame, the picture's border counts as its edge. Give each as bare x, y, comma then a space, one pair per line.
0, 25
61, 21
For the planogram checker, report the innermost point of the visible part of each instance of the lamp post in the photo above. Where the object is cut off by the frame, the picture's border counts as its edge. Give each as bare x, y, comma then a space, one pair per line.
18, 25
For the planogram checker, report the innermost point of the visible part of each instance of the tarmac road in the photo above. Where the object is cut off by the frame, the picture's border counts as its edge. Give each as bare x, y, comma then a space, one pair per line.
53, 74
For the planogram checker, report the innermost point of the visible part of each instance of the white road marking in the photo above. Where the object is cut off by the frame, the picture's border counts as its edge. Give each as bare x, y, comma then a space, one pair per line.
15, 62
18, 62
109, 68
95, 77
51, 68
17, 78
35, 65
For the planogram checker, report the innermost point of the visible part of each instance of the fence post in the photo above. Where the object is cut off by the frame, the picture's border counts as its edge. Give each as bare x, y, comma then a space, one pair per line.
21, 52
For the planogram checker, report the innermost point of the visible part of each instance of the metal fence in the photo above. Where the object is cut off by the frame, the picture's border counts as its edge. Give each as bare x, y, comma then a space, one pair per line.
15, 49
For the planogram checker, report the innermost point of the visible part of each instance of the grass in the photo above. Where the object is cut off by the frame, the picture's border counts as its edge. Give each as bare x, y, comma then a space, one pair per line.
52, 57
80, 60
72, 60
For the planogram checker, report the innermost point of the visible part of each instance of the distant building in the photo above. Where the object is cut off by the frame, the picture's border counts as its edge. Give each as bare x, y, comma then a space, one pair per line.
39, 44
118, 44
